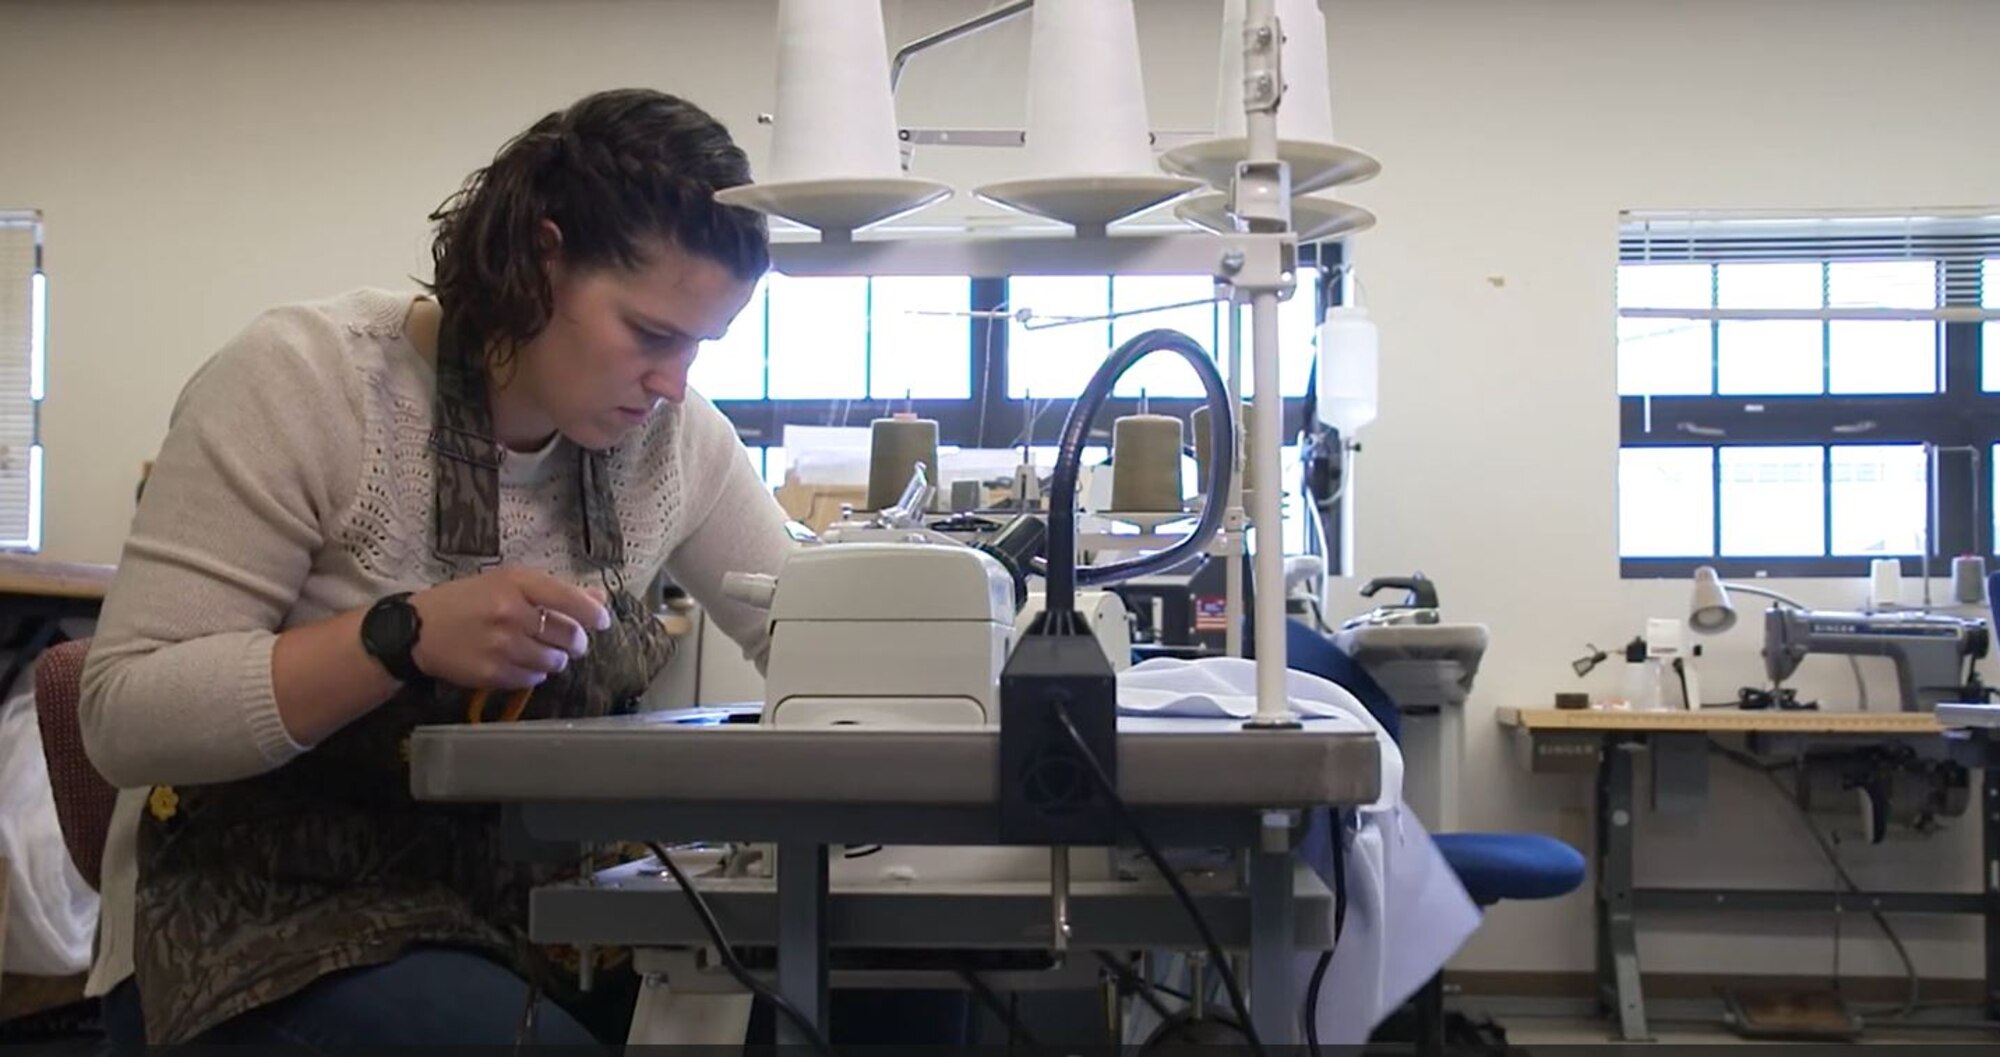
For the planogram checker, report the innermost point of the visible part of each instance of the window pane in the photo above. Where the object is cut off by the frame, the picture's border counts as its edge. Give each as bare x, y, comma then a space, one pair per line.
919, 337
1297, 514
1056, 361
1666, 502
1768, 285
1162, 374
1882, 284
1879, 499
1989, 337
1882, 356
1664, 286
1773, 501
819, 337
733, 368
1298, 339
1769, 356
775, 465
1664, 357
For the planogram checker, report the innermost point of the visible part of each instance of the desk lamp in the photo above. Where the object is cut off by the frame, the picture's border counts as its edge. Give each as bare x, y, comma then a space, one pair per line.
1709, 609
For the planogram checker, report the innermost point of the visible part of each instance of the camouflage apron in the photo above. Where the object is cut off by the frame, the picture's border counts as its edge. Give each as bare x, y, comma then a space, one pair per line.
249, 891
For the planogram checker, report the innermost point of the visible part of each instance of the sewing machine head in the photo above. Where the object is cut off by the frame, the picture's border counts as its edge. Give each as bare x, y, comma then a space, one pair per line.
884, 633
1931, 650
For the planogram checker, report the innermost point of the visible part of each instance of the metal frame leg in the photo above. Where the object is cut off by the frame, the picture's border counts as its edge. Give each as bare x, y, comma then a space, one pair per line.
1617, 930
1989, 781
802, 936
1273, 1007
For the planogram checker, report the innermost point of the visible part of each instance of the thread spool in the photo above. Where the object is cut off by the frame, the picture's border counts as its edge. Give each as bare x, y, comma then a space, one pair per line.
895, 446
1086, 95
1146, 464
836, 116
1885, 583
1201, 435
1968, 579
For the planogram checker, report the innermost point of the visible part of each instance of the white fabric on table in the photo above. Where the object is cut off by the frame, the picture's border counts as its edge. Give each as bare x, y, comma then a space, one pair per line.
1407, 914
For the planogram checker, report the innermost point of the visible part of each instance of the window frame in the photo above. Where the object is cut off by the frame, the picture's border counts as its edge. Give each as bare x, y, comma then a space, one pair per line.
989, 418
1961, 419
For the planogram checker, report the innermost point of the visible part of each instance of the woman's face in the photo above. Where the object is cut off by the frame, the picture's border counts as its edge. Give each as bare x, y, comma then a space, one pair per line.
618, 342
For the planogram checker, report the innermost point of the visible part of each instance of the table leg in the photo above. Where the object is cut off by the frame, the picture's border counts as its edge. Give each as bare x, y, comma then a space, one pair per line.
1617, 932
1273, 1007
802, 936
1989, 781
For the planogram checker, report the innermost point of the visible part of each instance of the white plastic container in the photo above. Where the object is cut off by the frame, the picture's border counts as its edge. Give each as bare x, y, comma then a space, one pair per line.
1349, 369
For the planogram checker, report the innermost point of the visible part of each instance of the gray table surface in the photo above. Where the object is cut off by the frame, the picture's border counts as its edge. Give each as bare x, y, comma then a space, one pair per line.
660, 757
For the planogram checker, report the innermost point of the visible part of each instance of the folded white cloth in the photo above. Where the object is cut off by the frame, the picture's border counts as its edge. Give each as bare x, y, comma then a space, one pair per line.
1226, 688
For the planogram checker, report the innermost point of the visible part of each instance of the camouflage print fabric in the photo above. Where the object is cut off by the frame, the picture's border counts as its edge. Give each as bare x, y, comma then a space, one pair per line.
249, 891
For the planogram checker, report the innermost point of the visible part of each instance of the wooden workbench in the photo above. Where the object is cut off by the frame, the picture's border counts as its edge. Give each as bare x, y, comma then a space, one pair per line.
1604, 742
1719, 721
27, 574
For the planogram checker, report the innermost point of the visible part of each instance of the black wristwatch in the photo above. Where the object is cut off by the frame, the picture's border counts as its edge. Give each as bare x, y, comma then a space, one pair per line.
389, 634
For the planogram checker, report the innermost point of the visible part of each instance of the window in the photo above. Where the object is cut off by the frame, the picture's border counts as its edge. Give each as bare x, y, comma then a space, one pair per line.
23, 343
832, 351
1800, 395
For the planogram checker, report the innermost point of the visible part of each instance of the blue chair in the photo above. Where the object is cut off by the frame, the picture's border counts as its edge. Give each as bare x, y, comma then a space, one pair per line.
1492, 866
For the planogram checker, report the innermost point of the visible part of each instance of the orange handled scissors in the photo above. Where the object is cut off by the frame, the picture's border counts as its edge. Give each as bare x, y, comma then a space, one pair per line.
517, 703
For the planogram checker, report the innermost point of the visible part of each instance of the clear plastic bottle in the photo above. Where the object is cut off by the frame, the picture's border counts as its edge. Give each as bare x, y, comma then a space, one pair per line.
1643, 678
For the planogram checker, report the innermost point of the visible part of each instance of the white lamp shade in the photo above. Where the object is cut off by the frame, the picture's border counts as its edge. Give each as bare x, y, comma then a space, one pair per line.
1709, 609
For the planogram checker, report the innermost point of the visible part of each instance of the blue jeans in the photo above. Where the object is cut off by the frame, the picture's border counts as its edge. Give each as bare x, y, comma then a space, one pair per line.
429, 996
438, 995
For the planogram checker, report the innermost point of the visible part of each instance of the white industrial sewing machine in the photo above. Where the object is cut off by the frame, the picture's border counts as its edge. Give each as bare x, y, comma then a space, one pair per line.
884, 634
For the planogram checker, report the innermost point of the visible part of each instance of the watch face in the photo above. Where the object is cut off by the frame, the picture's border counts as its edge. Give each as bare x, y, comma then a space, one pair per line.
392, 624
401, 622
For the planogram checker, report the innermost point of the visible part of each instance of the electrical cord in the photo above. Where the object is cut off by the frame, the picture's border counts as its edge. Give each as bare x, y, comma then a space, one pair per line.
1912, 997
1148, 991
984, 992
727, 953
1159, 861
1339, 924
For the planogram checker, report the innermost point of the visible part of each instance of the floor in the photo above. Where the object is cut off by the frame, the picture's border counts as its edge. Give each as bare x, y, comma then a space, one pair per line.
1527, 1025
1564, 1031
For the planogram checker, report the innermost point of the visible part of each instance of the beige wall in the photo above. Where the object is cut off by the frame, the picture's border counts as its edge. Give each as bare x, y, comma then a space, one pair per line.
198, 161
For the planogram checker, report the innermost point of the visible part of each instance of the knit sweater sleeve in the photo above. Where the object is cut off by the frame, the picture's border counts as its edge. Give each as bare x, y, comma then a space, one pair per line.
262, 454
734, 525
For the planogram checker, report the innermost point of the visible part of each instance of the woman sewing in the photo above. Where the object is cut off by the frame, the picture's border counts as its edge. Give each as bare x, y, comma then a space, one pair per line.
366, 509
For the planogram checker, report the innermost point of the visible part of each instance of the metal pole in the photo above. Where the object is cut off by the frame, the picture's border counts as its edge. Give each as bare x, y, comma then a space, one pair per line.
1263, 88
1232, 525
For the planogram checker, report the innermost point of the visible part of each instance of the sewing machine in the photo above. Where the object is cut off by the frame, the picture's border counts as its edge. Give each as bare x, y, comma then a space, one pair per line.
884, 633
1930, 650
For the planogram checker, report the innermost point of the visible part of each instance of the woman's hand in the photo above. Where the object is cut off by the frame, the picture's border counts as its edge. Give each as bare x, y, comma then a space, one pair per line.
507, 628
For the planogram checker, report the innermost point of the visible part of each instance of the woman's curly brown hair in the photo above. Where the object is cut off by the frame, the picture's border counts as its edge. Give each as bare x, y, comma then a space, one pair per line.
615, 170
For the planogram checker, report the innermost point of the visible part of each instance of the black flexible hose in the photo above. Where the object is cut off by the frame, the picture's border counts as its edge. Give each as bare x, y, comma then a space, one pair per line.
1061, 570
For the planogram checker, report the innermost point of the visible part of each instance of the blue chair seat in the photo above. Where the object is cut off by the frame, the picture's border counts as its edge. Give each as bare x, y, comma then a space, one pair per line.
1497, 866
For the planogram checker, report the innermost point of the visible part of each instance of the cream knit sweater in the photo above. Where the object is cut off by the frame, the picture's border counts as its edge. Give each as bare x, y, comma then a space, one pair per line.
295, 483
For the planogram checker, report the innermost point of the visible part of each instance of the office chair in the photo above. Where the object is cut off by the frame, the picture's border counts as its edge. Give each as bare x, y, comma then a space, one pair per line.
1492, 866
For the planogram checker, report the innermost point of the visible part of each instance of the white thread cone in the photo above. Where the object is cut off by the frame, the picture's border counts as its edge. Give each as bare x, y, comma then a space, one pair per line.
1306, 111
835, 116
1086, 96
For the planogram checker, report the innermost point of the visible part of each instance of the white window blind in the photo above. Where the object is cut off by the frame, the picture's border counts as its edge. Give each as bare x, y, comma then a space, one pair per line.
1865, 286
23, 333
